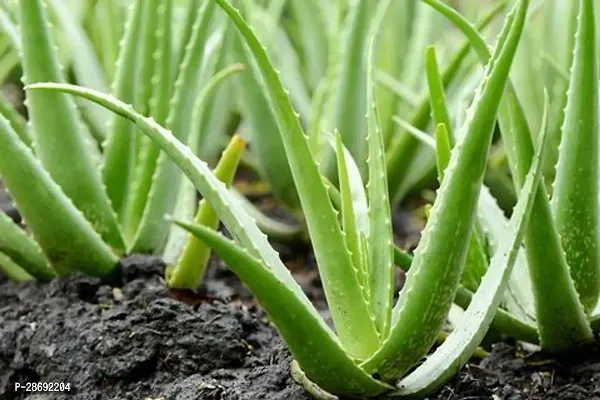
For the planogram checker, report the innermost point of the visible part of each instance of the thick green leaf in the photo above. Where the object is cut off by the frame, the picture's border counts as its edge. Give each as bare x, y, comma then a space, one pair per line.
196, 69
65, 236
159, 109
391, 52
12, 270
312, 344
120, 146
354, 209
15, 244
313, 36
266, 141
575, 198
352, 319
437, 93
8, 111
464, 339
349, 96
380, 240
59, 134
86, 66
434, 277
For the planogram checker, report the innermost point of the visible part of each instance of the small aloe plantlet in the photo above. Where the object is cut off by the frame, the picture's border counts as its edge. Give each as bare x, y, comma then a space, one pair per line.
194, 256
562, 239
375, 344
110, 198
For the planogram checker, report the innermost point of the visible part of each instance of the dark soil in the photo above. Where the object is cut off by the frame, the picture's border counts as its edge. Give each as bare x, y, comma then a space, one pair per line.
130, 339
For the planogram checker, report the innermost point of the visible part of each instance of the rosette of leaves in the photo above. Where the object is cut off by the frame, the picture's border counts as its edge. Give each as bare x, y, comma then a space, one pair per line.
561, 241
375, 343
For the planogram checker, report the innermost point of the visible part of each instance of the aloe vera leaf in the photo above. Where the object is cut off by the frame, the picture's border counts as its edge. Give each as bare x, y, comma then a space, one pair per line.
277, 231
86, 66
392, 46
159, 109
266, 142
354, 324
188, 28
10, 29
464, 339
575, 195
348, 107
185, 207
64, 235
313, 38
213, 120
12, 270
317, 117
192, 263
119, 148
8, 63
398, 88
380, 238
354, 209
199, 135
443, 148
437, 94
14, 243
321, 357
284, 57
144, 150
401, 149
442, 251
505, 322
560, 41
112, 14
8, 111
548, 268
193, 72
58, 130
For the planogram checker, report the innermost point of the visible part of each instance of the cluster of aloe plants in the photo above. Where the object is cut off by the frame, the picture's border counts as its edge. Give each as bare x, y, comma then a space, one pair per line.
340, 140
89, 188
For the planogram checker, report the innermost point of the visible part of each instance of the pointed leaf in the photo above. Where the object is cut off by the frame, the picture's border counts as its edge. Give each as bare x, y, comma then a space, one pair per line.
59, 134
196, 69
440, 256
119, 148
575, 196
65, 236
380, 239
14, 243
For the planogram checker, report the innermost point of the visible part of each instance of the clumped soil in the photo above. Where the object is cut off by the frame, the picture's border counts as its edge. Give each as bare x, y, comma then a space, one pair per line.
132, 339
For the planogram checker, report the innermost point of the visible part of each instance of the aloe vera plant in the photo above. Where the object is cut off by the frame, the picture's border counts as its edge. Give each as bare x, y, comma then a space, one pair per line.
375, 343
109, 198
561, 242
